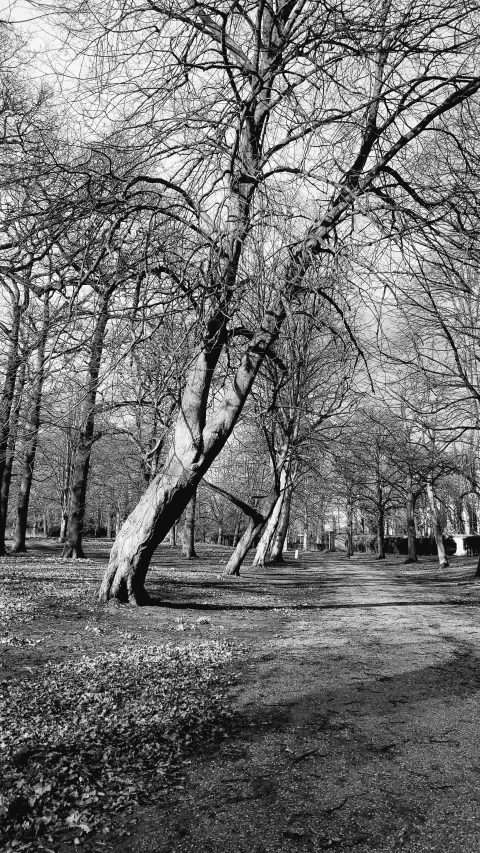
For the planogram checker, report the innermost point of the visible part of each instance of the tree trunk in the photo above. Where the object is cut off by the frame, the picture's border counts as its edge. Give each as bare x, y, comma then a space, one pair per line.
412, 553
380, 517
188, 546
33, 426
109, 524
380, 535
349, 526
268, 534
173, 535
437, 527
194, 447
220, 535
256, 523
81, 464
7, 472
11, 369
236, 533
282, 529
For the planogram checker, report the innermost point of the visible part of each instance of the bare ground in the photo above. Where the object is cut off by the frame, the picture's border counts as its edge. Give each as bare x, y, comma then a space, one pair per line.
355, 706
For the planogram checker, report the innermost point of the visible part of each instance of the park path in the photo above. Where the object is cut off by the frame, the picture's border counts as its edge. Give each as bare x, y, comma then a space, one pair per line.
357, 715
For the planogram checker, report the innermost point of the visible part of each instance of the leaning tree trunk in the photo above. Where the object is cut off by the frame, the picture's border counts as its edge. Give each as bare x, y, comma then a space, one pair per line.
281, 532
266, 538
33, 426
258, 518
7, 473
412, 552
188, 545
195, 445
81, 464
437, 527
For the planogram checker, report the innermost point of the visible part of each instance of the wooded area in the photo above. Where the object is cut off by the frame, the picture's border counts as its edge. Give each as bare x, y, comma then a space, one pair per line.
239, 255
240, 290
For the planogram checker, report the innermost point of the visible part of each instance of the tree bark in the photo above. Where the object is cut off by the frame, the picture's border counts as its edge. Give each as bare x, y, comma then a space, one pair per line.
8, 392
194, 447
268, 534
33, 426
437, 527
256, 522
81, 465
282, 529
411, 537
188, 546
7, 472
349, 526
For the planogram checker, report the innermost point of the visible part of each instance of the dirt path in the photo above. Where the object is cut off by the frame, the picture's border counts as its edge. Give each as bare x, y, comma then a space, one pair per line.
355, 702
357, 720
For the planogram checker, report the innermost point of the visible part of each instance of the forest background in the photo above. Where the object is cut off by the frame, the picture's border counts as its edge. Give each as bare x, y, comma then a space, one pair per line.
239, 260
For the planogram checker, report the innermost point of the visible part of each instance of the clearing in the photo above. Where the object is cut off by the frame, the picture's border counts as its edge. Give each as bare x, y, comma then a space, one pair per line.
328, 704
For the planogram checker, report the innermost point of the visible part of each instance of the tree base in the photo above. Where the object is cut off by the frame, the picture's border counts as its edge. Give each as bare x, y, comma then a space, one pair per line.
231, 573
411, 560
70, 553
381, 558
18, 549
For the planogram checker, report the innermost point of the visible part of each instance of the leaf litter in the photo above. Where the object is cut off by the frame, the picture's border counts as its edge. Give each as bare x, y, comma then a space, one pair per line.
81, 743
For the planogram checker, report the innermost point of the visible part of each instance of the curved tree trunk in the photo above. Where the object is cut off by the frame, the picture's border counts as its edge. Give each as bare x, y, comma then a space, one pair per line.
33, 427
282, 529
188, 546
81, 463
194, 447
412, 552
437, 527
7, 473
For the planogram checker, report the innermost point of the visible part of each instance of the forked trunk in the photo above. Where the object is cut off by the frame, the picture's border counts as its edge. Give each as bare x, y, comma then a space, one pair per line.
194, 447
188, 546
282, 529
437, 527
412, 552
